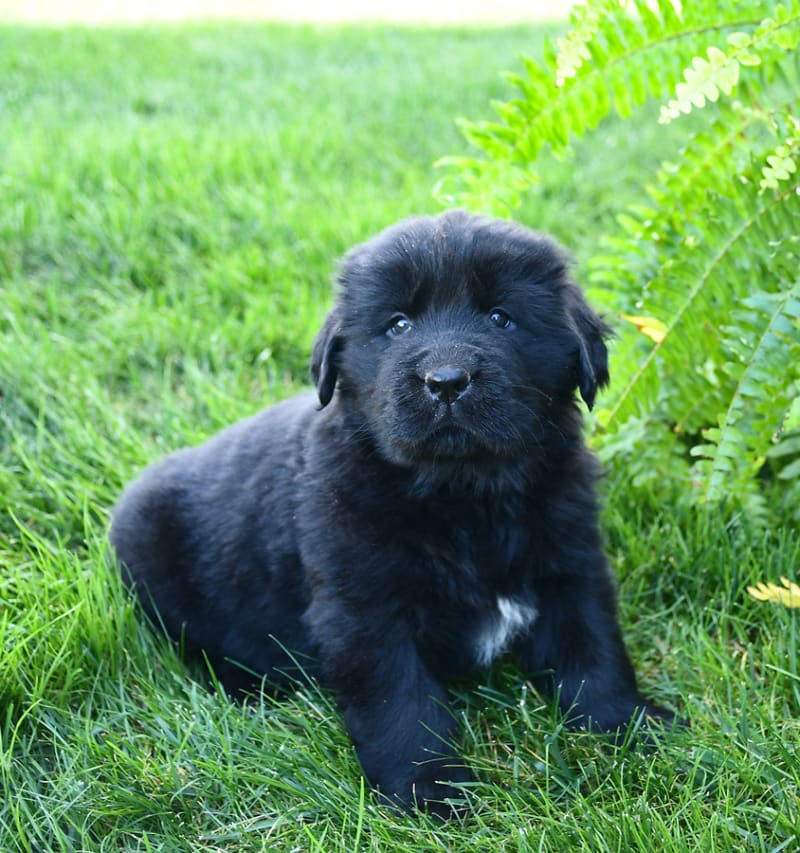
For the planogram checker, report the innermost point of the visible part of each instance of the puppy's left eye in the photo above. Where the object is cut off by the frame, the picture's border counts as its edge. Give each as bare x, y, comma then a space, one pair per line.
500, 319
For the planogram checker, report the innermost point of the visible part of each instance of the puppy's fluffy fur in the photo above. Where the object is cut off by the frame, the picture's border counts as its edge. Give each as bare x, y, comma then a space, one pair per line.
432, 508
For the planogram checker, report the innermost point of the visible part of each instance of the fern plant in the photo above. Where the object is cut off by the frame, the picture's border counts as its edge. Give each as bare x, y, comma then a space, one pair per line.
706, 267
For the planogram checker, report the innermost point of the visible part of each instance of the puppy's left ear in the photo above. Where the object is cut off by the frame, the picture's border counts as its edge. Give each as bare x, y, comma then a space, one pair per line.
591, 331
325, 357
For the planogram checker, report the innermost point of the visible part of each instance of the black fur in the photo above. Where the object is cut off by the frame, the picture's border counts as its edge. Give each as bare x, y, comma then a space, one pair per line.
376, 535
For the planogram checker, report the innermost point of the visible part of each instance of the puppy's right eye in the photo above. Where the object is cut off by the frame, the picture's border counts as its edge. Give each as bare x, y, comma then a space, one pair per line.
398, 325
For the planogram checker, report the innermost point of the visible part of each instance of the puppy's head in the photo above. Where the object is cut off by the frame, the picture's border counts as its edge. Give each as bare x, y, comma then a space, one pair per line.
460, 339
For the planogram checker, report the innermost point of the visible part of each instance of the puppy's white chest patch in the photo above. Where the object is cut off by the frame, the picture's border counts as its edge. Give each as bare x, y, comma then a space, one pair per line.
506, 622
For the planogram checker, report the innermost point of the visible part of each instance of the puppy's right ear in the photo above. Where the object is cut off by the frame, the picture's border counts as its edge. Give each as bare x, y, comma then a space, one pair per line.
325, 357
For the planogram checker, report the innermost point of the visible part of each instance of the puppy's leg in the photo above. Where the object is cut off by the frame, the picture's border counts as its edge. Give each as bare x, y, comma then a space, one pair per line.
397, 716
402, 729
577, 637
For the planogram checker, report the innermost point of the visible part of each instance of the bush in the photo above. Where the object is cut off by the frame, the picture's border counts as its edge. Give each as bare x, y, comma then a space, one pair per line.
705, 267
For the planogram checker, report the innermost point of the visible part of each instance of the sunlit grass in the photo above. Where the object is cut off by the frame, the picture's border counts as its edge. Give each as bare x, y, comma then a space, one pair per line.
172, 202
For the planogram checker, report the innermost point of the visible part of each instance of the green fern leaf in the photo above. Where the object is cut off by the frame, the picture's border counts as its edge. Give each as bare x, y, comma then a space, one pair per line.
765, 345
567, 94
704, 79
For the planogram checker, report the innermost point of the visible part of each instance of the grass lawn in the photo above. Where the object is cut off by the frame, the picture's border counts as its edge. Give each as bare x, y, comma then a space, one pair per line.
172, 202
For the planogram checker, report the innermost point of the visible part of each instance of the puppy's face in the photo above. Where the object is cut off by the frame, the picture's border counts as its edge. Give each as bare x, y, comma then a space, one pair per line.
458, 339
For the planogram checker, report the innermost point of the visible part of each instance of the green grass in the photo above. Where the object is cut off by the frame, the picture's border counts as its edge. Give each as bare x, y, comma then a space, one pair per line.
172, 202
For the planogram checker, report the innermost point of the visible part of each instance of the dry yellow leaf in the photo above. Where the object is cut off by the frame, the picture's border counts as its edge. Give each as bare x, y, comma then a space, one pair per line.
788, 594
650, 326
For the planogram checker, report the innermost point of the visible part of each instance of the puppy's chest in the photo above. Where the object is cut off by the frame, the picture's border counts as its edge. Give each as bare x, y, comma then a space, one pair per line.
500, 627
457, 639
478, 605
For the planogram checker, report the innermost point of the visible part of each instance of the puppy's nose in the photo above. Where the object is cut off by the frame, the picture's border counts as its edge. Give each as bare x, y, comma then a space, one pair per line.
447, 383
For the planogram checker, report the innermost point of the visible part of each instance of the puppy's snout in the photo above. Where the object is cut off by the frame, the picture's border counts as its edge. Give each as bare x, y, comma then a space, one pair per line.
448, 382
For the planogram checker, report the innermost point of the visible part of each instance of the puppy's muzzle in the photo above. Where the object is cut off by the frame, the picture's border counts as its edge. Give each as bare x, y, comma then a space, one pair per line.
447, 383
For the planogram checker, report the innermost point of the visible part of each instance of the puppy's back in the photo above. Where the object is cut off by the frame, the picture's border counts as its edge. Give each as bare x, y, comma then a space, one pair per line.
208, 534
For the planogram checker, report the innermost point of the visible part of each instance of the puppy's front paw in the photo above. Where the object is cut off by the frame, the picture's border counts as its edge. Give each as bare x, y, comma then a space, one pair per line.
635, 720
648, 726
440, 799
657, 721
433, 791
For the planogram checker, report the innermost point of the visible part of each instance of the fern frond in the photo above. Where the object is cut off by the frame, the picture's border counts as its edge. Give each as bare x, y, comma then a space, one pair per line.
705, 79
573, 50
764, 345
687, 279
617, 56
645, 447
781, 164
678, 205
734, 232
784, 458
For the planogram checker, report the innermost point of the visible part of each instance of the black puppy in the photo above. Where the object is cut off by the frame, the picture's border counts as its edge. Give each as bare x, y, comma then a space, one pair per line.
433, 509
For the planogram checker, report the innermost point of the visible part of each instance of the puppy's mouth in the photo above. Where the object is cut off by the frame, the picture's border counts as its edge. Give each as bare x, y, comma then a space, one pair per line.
449, 440
452, 442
